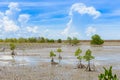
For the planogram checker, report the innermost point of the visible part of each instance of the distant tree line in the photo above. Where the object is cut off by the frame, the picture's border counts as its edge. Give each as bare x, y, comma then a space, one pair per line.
31, 40
95, 40
72, 41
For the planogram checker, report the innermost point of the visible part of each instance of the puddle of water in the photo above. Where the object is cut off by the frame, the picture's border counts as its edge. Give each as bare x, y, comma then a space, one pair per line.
33, 60
102, 58
5, 57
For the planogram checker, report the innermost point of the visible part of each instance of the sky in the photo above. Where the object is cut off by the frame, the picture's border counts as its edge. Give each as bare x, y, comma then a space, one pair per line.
60, 19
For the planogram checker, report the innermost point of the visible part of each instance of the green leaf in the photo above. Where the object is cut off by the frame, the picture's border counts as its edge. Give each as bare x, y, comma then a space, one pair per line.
78, 52
107, 75
88, 55
52, 54
59, 50
12, 46
79, 57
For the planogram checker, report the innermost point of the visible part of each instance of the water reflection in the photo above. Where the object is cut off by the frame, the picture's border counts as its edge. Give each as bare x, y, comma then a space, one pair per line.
101, 57
33, 60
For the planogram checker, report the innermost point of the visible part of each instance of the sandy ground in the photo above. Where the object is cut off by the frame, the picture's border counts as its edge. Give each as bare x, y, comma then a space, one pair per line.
43, 70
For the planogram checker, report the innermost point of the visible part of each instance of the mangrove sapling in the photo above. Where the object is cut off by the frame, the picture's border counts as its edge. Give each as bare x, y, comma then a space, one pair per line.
52, 55
107, 75
59, 50
88, 57
12, 47
79, 57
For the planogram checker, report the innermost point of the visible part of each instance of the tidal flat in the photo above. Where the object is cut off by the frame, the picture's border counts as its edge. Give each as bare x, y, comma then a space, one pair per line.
32, 62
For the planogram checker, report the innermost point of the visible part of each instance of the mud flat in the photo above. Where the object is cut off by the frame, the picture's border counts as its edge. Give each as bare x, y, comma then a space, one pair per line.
44, 71
34, 63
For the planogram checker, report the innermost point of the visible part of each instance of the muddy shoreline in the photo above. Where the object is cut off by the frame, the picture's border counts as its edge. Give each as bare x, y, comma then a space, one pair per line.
34, 63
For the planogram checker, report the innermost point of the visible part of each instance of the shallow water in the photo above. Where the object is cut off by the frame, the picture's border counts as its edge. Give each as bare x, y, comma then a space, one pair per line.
101, 56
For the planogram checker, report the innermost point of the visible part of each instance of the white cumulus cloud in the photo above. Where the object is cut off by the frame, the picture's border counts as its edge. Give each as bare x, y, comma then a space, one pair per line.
1, 15
1, 18
81, 9
9, 25
32, 29
6, 22
23, 18
90, 31
13, 8
66, 30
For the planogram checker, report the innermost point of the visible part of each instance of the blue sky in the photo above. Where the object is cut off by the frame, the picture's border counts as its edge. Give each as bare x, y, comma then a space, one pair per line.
60, 18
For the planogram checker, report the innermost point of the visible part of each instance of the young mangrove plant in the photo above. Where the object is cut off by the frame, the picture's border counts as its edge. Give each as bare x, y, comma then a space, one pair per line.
107, 75
88, 57
52, 55
59, 50
12, 47
79, 57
